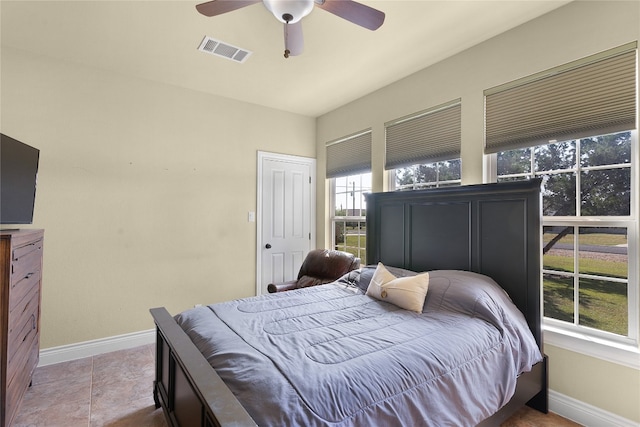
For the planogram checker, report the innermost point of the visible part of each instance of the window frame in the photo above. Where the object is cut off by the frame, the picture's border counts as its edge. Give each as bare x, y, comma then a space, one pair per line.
593, 342
360, 250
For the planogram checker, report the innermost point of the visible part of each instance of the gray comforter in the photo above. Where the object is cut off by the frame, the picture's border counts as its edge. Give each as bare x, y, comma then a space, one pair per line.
331, 356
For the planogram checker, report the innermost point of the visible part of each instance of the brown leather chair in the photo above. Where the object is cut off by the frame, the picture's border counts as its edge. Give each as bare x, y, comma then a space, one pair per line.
319, 267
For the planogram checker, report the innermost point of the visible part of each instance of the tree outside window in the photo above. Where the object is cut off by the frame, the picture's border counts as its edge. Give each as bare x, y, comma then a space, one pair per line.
431, 175
586, 220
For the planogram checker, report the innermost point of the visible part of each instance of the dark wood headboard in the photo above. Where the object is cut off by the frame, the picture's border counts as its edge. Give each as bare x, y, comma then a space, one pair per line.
492, 229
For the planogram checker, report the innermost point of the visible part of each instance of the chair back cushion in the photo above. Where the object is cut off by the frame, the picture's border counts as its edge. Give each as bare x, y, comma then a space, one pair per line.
325, 266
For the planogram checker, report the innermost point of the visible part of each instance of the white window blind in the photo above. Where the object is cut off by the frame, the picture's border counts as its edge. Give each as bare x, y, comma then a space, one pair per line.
426, 137
592, 96
350, 155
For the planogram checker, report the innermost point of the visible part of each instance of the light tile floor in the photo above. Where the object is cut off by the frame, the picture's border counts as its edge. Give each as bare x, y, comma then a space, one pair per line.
113, 389
116, 390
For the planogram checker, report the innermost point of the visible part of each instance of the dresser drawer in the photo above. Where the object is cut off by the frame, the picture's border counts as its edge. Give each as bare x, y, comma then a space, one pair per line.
17, 386
22, 340
24, 285
21, 250
22, 310
25, 261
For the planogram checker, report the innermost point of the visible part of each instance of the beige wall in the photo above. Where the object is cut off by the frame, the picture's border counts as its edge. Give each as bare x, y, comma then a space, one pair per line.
143, 192
577, 30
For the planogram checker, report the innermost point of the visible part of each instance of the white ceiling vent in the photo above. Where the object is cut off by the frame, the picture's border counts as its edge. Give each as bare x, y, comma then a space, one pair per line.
224, 50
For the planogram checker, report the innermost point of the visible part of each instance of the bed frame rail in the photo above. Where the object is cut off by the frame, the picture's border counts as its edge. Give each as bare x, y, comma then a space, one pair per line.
189, 391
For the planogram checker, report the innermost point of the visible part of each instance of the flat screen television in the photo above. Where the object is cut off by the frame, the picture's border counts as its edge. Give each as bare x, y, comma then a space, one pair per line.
18, 175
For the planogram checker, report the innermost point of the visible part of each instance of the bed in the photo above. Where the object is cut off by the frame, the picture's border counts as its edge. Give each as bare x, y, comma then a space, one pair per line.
473, 236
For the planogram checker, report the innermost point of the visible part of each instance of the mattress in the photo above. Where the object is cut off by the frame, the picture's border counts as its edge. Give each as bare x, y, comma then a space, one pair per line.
330, 355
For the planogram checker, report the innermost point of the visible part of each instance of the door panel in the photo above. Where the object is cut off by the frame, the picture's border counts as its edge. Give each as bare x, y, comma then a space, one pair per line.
298, 215
286, 218
277, 266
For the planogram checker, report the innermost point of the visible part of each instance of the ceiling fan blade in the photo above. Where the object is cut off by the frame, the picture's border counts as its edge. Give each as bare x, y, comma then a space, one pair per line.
353, 11
293, 39
218, 7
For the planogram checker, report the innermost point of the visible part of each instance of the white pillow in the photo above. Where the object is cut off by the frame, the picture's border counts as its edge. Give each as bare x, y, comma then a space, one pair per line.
405, 292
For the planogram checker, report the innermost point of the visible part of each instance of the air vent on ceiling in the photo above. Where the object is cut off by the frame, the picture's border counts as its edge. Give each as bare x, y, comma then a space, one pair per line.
224, 50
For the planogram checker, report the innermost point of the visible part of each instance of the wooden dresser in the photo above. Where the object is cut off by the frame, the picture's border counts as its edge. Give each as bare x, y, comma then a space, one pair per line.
20, 288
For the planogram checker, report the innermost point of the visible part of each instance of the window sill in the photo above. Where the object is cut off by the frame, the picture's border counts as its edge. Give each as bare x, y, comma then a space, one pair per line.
622, 354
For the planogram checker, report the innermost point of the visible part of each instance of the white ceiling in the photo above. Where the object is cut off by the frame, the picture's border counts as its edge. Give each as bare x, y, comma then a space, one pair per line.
158, 40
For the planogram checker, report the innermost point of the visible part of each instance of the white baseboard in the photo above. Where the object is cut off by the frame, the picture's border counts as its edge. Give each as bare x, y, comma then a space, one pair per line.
585, 414
65, 353
565, 406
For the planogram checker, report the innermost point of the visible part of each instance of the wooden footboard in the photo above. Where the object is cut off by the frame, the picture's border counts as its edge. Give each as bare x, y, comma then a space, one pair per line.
186, 386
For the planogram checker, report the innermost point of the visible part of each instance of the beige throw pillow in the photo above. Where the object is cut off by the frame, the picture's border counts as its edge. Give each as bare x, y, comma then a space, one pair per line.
405, 292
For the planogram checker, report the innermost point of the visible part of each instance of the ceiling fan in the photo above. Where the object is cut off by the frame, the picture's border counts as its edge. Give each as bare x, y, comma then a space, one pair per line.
290, 12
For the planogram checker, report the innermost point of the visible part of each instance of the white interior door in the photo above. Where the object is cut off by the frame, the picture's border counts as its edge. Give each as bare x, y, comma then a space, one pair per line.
286, 220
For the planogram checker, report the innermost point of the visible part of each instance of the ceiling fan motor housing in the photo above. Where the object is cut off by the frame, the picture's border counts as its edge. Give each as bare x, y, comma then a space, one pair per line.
289, 11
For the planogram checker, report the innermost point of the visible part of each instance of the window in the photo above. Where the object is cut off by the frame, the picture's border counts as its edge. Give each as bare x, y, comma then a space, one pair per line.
348, 218
349, 168
423, 149
438, 174
589, 281
575, 126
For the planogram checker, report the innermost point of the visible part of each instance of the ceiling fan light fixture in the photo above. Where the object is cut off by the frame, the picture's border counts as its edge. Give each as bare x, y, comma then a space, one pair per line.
291, 12
297, 9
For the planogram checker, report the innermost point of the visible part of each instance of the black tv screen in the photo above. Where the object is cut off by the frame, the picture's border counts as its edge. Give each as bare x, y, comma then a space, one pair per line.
18, 174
